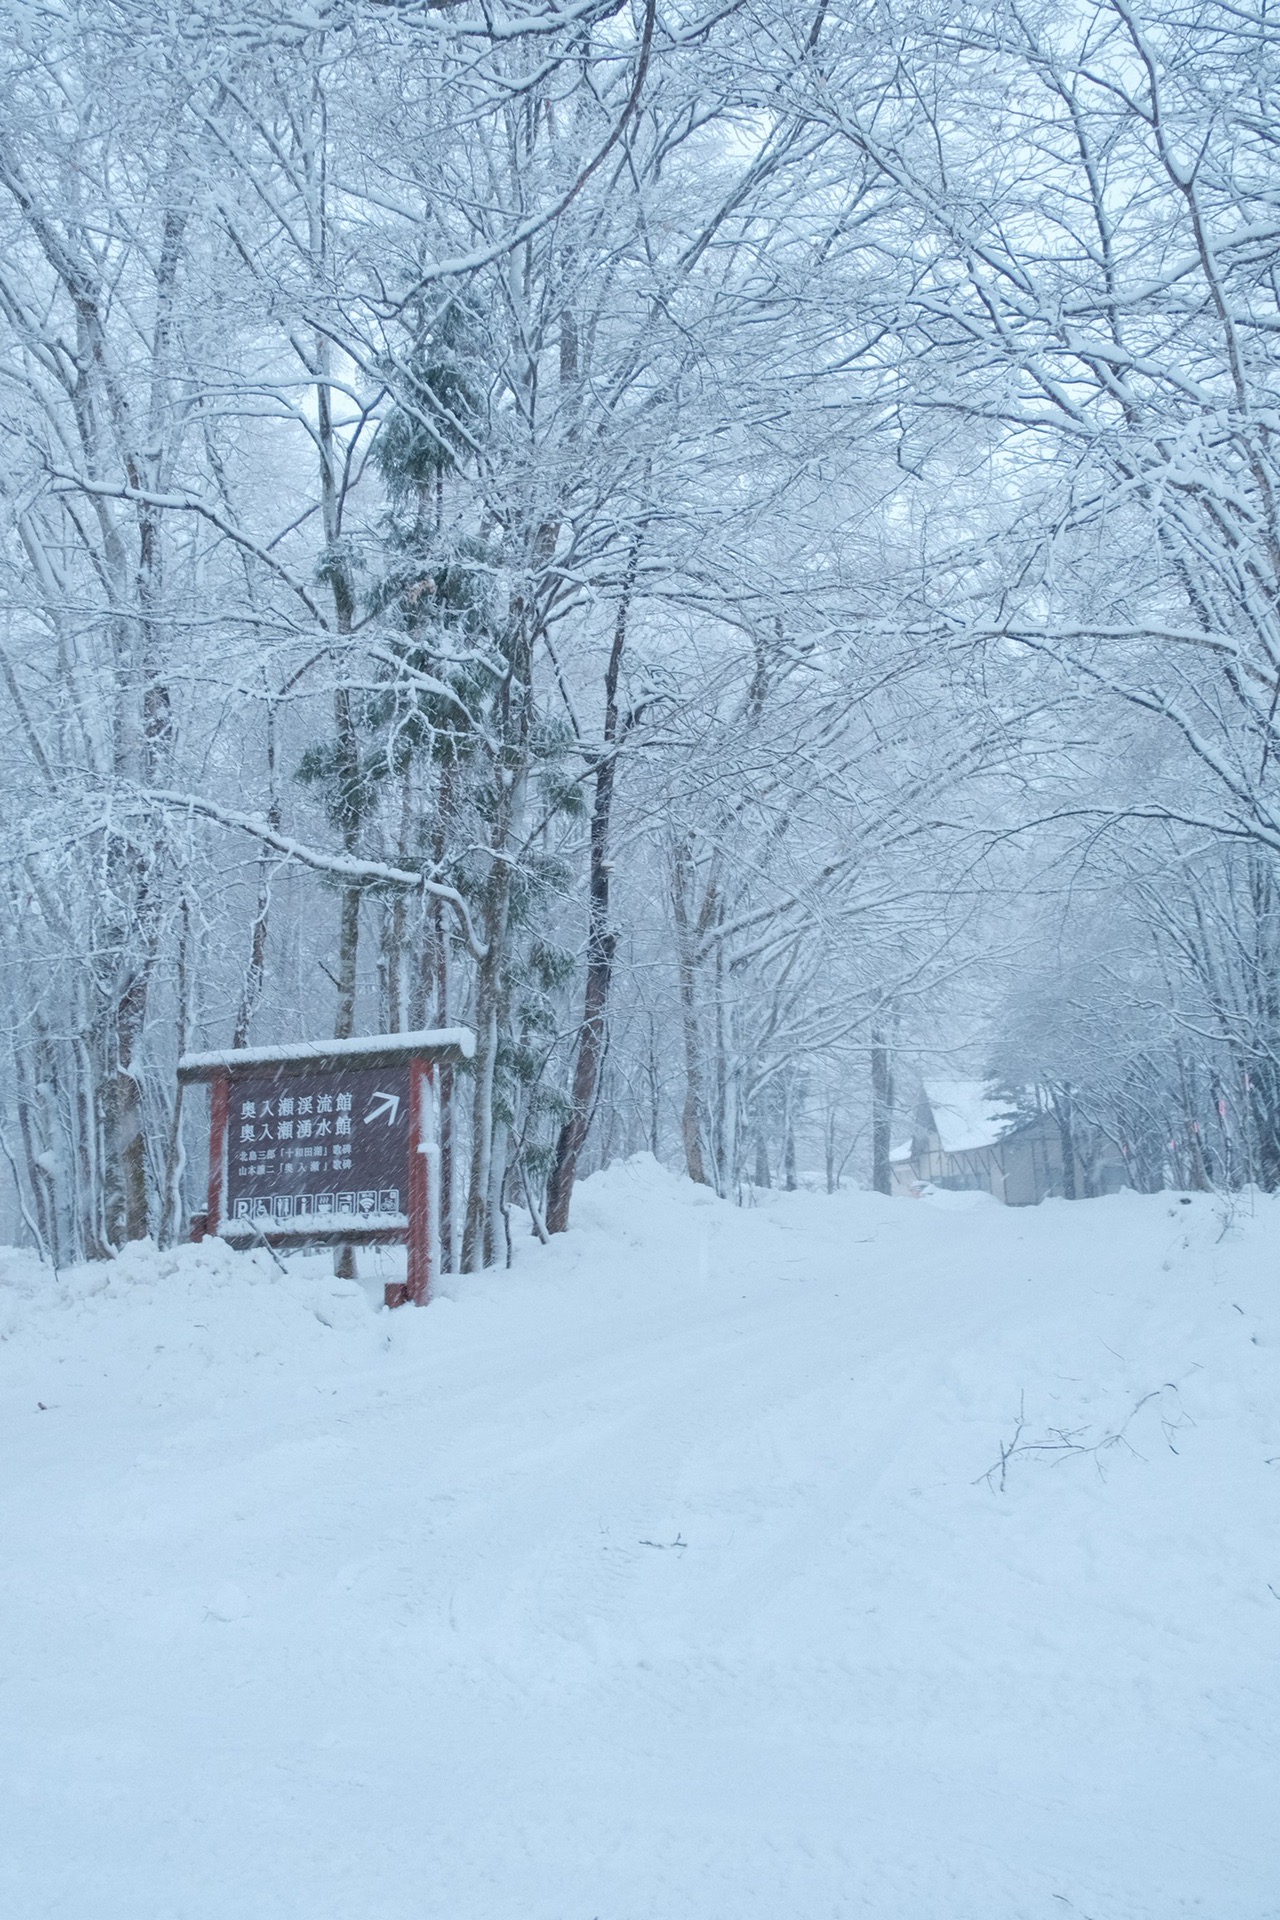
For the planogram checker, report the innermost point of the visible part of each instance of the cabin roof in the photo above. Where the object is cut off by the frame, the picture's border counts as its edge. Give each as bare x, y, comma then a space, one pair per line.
965, 1114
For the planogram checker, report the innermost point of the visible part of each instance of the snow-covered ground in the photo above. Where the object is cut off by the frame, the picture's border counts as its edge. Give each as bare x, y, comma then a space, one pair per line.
657, 1579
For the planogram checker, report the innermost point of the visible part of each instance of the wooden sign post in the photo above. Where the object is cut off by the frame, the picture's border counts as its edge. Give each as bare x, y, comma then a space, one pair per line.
330, 1144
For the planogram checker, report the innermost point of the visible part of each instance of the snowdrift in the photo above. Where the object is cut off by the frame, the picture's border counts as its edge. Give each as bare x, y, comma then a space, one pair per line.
833, 1557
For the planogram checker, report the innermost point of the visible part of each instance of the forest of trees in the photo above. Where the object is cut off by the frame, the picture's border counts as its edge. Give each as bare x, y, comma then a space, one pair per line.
732, 546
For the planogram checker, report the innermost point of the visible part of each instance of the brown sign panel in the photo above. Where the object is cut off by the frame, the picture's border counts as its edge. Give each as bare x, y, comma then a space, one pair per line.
315, 1148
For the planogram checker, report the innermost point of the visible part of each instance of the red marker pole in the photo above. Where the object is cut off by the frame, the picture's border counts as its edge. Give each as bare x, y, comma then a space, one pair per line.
420, 1267
219, 1114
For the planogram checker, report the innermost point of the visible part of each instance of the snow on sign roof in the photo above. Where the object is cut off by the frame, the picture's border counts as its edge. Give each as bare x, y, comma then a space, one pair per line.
373, 1049
965, 1114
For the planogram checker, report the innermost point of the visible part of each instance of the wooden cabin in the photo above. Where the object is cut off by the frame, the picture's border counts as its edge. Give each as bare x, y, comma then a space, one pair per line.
966, 1140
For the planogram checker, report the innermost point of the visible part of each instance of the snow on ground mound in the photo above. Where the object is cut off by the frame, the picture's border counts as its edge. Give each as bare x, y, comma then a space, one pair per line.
832, 1557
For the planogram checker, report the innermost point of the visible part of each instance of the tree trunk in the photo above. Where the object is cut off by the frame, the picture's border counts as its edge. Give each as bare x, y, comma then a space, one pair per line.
475, 1224
348, 775
762, 1178
497, 1239
1263, 1083
881, 1113
483, 1217
431, 1003
255, 972
655, 1090
601, 940
171, 1196
591, 1036
691, 1115
724, 1146
128, 1121
478, 1234
1064, 1114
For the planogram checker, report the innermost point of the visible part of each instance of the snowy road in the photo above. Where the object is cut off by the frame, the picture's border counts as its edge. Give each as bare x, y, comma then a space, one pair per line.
656, 1577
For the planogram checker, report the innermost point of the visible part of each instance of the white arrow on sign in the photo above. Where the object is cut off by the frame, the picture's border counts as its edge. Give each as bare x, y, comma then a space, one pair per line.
390, 1106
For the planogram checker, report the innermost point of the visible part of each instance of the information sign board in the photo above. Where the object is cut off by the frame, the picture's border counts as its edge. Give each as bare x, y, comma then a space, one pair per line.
329, 1144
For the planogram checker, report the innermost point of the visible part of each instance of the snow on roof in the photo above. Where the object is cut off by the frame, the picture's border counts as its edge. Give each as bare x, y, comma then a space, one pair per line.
965, 1114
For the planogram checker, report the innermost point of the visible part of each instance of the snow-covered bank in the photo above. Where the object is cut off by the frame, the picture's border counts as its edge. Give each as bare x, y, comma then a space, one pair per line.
657, 1579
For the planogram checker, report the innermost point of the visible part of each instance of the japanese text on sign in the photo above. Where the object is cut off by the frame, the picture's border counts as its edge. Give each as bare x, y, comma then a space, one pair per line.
315, 1148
